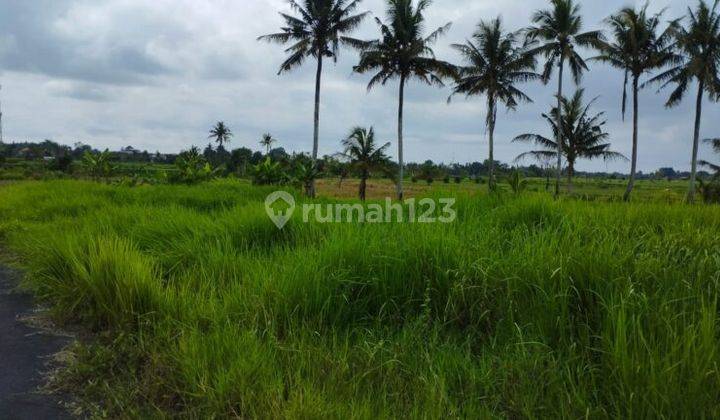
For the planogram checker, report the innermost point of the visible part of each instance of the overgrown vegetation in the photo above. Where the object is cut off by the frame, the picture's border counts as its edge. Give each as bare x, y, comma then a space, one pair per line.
205, 309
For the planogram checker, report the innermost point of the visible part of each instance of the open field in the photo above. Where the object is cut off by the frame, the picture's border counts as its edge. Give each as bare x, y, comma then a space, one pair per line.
657, 191
524, 307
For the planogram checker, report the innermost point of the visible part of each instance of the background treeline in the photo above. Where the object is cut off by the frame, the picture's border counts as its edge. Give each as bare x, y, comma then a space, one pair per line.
48, 159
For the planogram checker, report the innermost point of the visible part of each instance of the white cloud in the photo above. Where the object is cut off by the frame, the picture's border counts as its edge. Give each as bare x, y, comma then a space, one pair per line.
158, 74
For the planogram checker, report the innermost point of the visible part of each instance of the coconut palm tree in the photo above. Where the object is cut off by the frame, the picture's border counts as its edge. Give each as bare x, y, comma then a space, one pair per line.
364, 155
221, 133
495, 65
699, 44
558, 29
637, 48
404, 53
267, 141
306, 173
318, 31
583, 136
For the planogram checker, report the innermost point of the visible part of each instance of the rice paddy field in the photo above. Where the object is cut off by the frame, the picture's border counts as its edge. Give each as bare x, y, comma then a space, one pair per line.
524, 307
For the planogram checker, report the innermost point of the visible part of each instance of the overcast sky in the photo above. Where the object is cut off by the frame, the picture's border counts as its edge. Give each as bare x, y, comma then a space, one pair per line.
158, 74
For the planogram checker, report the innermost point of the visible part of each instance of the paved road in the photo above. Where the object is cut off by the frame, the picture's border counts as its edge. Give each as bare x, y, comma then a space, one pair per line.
23, 356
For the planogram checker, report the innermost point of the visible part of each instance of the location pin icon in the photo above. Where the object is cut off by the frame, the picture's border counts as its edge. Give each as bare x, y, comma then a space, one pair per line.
280, 218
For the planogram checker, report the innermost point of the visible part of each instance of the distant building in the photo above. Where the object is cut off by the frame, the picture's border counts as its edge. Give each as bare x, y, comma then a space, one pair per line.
129, 151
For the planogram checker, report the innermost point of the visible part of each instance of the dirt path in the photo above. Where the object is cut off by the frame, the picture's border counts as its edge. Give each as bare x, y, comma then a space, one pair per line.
24, 353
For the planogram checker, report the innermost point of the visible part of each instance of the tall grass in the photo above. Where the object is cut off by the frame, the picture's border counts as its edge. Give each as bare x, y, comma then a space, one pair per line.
524, 307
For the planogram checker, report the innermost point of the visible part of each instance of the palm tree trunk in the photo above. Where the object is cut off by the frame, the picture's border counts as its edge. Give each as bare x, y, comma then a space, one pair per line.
363, 185
491, 132
547, 177
559, 136
696, 142
401, 161
571, 172
633, 167
316, 132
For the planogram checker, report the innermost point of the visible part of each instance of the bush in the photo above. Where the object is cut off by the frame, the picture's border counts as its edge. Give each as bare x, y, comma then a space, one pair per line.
305, 175
62, 164
414, 180
98, 165
446, 179
269, 173
710, 192
429, 180
458, 179
192, 167
517, 182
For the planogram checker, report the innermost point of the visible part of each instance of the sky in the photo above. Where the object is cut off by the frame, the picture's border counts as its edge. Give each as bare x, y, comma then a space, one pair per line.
158, 74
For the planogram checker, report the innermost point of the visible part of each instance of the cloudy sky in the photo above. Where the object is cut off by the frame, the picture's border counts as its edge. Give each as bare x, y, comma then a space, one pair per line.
157, 75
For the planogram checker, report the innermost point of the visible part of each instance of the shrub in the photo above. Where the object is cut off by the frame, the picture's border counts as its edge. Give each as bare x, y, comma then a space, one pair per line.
98, 164
62, 164
446, 179
429, 180
458, 180
192, 167
710, 191
305, 174
268, 173
414, 179
517, 183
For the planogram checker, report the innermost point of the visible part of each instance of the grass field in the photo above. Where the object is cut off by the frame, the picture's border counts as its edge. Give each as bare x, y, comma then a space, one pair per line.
524, 307
656, 191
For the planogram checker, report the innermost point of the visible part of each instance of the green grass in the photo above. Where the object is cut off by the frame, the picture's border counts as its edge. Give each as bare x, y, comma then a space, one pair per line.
524, 307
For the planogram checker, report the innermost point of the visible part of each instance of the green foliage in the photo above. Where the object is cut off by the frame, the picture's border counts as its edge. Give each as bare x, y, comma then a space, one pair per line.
98, 165
638, 46
317, 31
192, 167
267, 141
584, 136
306, 172
428, 171
517, 182
710, 191
206, 310
698, 43
269, 173
62, 163
403, 52
556, 36
221, 133
364, 155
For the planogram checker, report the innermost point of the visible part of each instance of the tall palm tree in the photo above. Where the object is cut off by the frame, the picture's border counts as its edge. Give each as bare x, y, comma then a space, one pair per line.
495, 64
558, 29
699, 45
318, 31
221, 133
364, 155
404, 53
637, 48
267, 141
583, 138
